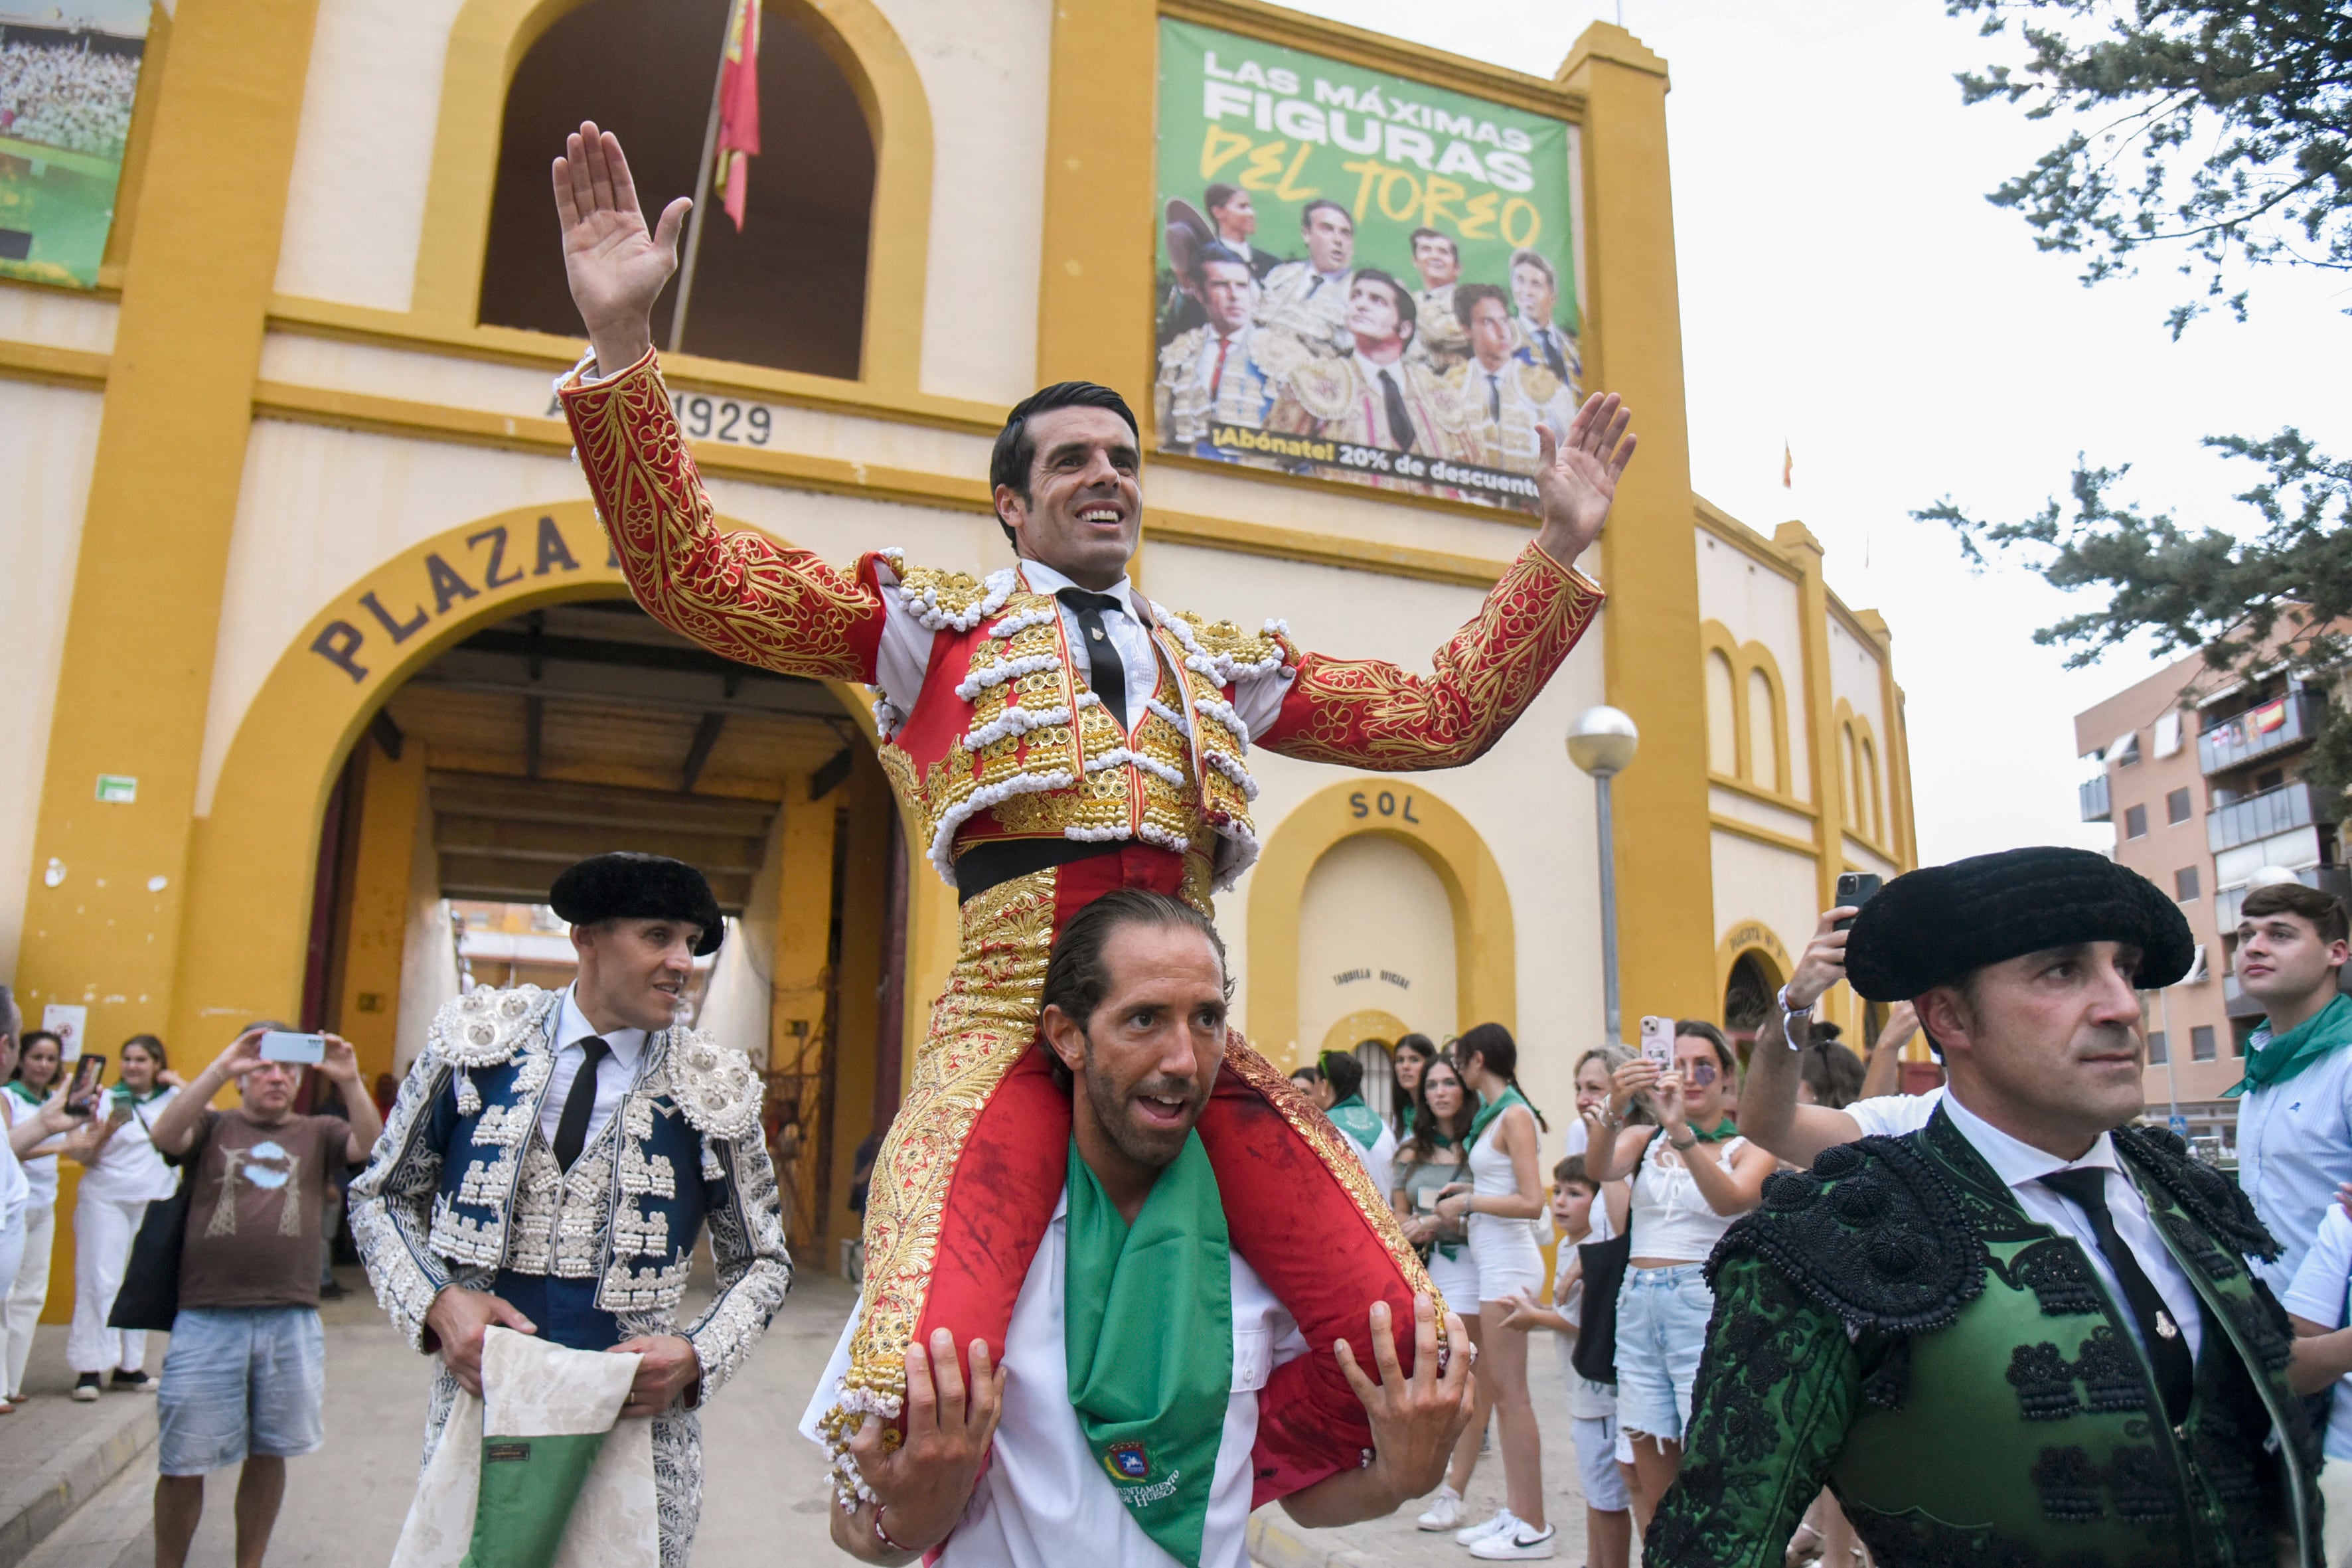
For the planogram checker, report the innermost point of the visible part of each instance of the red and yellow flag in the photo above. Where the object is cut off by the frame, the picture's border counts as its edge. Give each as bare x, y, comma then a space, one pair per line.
739, 107
1788, 467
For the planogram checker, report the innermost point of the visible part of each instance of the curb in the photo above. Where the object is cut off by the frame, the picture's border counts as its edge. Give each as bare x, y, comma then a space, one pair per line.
81, 1481
1274, 1543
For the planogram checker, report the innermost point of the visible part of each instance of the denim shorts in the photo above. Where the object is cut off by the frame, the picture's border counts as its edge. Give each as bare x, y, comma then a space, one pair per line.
1662, 1315
240, 1381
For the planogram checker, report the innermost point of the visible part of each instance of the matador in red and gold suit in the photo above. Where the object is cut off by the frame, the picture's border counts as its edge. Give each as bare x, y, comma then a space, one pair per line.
1037, 795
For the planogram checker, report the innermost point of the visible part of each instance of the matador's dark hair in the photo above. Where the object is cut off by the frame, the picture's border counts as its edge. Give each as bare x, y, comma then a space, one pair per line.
1016, 448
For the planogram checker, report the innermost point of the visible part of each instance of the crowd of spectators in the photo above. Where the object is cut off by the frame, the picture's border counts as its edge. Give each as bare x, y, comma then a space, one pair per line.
67, 96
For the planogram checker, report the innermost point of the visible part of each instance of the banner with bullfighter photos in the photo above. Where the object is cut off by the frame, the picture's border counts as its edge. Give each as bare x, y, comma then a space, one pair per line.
1361, 278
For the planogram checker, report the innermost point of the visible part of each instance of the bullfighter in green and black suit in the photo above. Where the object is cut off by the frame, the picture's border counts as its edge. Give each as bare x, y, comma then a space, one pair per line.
2025, 1334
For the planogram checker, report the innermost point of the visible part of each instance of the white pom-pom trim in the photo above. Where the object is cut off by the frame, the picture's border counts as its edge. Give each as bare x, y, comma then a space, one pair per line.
1152, 765
1014, 720
979, 681
1222, 712
942, 850
1183, 725
1232, 768
1012, 626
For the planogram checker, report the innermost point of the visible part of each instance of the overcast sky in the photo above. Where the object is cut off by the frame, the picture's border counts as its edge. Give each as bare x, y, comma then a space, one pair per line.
1846, 286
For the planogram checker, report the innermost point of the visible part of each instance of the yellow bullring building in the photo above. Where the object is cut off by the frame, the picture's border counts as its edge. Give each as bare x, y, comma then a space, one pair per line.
319, 667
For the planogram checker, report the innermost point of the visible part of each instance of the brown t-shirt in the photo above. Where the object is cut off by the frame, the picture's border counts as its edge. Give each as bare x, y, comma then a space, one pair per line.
254, 1211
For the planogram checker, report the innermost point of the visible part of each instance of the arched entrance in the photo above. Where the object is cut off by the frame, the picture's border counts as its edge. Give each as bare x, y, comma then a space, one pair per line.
477, 713
1350, 834
1751, 965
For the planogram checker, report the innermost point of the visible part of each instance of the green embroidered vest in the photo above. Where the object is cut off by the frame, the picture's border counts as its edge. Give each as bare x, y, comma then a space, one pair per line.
2008, 1414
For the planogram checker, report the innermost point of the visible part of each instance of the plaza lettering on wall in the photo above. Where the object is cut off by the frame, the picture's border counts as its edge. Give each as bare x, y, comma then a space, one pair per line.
492, 559
1382, 803
1361, 278
1755, 933
1387, 977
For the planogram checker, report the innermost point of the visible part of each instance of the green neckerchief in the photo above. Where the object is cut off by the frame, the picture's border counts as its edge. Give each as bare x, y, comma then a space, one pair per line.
1724, 1129
1358, 1120
2276, 1058
1486, 1113
30, 1096
1147, 1323
130, 1097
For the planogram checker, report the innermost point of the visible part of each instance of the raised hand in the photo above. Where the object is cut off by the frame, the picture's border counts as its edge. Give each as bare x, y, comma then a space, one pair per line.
615, 267
1576, 475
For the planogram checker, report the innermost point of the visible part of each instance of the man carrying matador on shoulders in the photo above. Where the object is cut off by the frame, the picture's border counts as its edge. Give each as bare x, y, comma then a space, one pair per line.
1060, 736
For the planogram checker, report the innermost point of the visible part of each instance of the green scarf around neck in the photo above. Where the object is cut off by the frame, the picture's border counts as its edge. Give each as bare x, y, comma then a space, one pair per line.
1358, 1120
1487, 1112
1148, 1325
1724, 1130
2274, 1058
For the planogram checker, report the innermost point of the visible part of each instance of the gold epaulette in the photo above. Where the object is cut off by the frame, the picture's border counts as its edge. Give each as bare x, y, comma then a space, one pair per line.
1322, 387
955, 601
1232, 650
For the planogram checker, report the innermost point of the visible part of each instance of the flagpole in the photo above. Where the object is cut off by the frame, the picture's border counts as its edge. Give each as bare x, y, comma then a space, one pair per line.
702, 191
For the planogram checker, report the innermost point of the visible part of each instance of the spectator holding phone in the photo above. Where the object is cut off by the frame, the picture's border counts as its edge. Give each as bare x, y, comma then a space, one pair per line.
27, 1131
1693, 1174
245, 1378
38, 1078
123, 1175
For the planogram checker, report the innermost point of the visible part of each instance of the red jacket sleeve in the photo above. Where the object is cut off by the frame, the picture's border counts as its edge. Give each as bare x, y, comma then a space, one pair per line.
1368, 713
741, 595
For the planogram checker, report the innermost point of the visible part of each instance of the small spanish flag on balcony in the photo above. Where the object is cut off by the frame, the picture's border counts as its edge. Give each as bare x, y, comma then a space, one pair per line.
739, 108
1788, 467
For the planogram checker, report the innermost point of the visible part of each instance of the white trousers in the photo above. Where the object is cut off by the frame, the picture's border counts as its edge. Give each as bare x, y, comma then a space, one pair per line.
22, 1311
2335, 1490
104, 1229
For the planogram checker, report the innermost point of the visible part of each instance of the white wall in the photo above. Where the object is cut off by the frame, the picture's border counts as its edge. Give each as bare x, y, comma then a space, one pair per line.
1758, 882
48, 437
355, 206
1375, 932
985, 65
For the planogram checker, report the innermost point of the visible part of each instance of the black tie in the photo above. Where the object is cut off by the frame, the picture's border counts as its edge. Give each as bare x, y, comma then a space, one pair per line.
2168, 1351
1551, 342
1399, 422
1495, 396
571, 1130
1104, 674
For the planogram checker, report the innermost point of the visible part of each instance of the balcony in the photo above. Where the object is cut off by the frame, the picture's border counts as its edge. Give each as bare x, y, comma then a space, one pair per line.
2280, 810
2095, 799
2275, 726
2228, 904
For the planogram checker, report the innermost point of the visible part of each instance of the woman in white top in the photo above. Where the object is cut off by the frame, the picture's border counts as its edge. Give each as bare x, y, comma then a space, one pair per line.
1431, 1162
1507, 1193
27, 1129
1684, 1199
125, 1174
36, 1080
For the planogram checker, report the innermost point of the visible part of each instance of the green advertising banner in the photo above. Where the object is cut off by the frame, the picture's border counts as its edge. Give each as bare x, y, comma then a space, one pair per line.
1362, 278
68, 72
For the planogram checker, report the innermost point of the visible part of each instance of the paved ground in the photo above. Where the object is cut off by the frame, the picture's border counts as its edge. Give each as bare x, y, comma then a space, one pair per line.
766, 1490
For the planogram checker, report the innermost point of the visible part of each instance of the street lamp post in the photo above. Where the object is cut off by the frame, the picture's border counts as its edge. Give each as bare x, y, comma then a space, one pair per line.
1602, 741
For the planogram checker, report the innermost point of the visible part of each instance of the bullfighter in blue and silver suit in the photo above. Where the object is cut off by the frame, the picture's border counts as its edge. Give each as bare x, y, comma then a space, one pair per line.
550, 1168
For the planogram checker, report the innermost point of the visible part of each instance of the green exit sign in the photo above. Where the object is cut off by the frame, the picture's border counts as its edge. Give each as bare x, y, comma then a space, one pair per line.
117, 789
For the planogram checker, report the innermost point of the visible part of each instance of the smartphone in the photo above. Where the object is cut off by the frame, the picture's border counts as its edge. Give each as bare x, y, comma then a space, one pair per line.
279, 1045
89, 1069
1855, 888
1658, 1040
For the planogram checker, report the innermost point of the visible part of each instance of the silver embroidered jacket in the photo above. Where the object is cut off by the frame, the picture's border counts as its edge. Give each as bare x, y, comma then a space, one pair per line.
450, 1198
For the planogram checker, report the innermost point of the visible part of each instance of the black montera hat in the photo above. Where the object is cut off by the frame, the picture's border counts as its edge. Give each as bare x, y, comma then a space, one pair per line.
625, 885
1930, 927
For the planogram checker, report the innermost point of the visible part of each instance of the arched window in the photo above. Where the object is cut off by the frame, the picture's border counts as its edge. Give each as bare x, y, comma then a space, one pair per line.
788, 291
1850, 779
1722, 718
1764, 749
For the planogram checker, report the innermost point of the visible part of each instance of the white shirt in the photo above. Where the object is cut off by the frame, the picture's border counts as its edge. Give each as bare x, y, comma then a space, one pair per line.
1044, 1501
2319, 1293
41, 1173
2022, 1166
129, 1170
2295, 1145
615, 1075
1895, 1115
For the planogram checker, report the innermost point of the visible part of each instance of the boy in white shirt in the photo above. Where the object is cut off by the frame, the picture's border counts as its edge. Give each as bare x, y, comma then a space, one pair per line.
1577, 1218
2316, 1302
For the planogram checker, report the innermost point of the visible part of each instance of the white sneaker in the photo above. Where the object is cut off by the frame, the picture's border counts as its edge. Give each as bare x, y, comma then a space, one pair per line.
1516, 1545
1502, 1521
1444, 1512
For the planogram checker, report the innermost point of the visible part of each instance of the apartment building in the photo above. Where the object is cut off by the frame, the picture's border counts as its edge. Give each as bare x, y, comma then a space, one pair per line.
2202, 778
